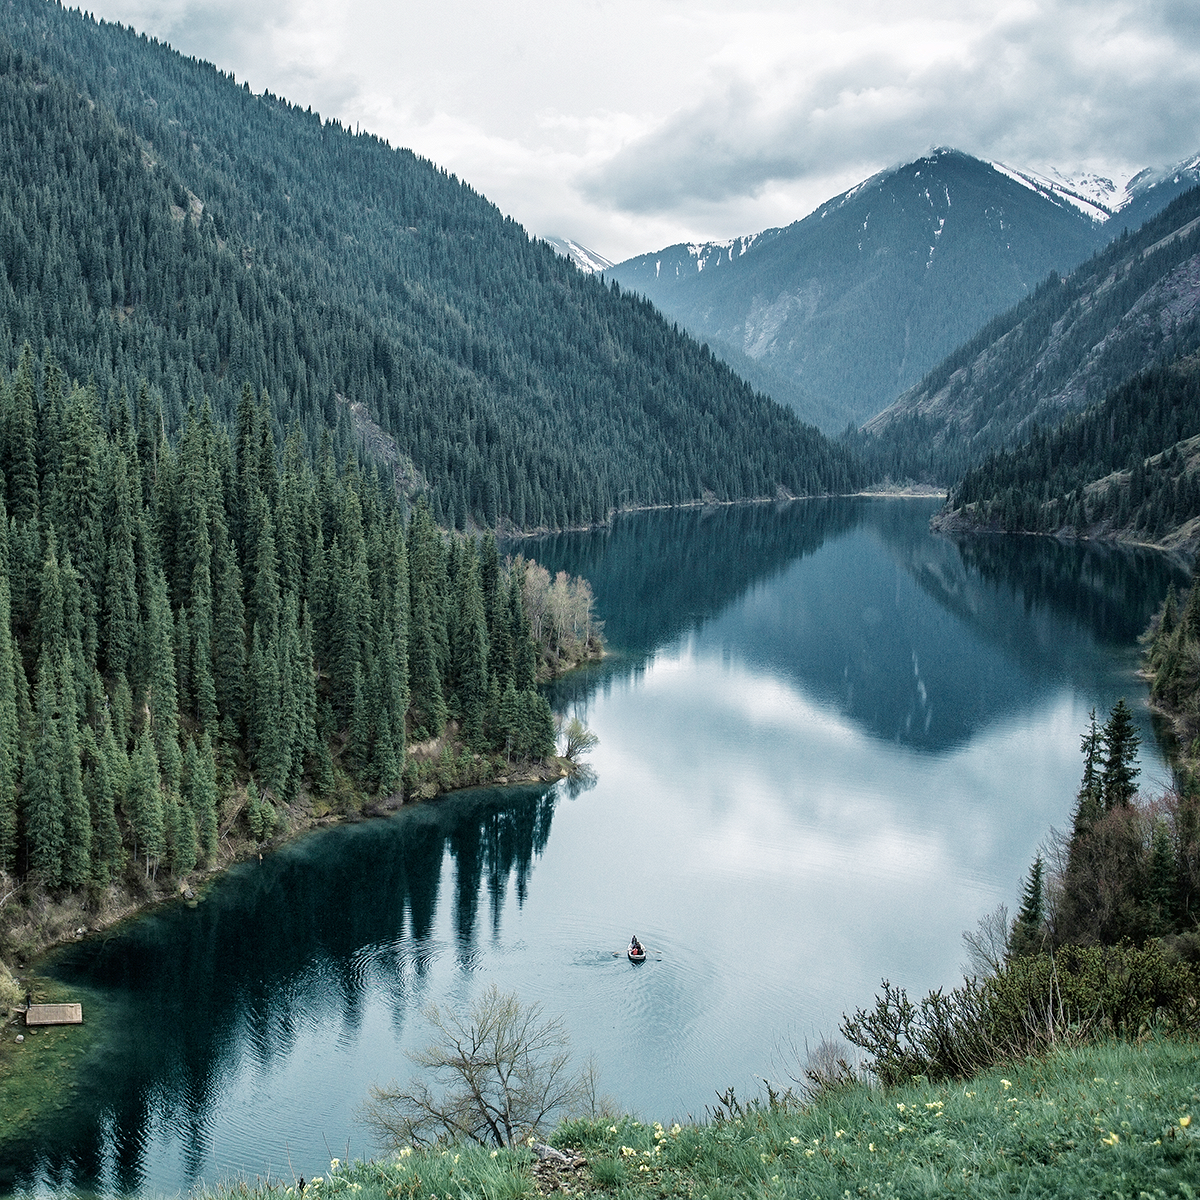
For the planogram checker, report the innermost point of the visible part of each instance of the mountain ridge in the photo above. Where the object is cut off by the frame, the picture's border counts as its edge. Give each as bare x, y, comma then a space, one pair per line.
852, 304
320, 264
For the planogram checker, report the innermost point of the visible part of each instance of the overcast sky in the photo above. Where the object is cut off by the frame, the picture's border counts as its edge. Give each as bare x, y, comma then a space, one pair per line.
633, 124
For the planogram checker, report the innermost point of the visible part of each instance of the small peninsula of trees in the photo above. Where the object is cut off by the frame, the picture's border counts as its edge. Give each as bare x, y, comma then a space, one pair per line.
195, 635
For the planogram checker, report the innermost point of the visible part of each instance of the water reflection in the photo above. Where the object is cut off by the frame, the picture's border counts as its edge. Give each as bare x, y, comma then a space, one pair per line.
279, 949
825, 736
804, 589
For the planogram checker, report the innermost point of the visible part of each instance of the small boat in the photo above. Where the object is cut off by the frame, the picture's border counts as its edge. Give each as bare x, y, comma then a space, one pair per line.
636, 952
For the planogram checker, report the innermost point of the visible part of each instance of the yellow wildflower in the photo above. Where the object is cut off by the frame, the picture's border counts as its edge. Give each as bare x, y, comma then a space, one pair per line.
795, 1141
495, 1152
1006, 1084
809, 1153
935, 1104
1184, 1122
405, 1152
612, 1129
1111, 1140
840, 1133
676, 1129
871, 1147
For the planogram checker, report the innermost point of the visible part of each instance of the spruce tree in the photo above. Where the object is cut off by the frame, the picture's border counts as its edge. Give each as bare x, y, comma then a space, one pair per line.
41, 792
144, 803
10, 742
1121, 741
1027, 935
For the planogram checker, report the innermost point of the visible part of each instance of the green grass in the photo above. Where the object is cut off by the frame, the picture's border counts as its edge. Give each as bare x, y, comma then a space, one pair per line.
38, 1074
1104, 1120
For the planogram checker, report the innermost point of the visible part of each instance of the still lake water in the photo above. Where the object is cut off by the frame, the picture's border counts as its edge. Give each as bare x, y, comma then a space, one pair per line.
829, 743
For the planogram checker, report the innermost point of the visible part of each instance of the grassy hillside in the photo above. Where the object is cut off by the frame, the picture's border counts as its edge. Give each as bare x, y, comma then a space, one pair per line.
1110, 1119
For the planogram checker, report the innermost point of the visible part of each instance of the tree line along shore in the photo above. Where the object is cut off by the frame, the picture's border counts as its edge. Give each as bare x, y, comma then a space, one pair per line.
214, 641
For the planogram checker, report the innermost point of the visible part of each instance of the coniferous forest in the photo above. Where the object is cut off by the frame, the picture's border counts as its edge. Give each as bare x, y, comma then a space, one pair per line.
1125, 465
190, 632
160, 223
253, 366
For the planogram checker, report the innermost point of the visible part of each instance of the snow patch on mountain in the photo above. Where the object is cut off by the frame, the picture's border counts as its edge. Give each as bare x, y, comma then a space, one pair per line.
1101, 197
1093, 195
586, 260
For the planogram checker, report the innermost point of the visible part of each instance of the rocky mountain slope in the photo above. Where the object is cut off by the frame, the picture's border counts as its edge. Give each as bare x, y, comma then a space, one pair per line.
1132, 305
839, 313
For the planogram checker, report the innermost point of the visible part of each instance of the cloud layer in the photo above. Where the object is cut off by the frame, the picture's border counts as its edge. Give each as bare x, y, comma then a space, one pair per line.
628, 126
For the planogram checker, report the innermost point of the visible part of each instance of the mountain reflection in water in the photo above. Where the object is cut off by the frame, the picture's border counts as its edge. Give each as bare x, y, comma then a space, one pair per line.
827, 738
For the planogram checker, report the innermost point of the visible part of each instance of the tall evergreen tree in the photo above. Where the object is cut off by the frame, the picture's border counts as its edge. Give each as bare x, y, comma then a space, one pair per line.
1027, 934
1121, 741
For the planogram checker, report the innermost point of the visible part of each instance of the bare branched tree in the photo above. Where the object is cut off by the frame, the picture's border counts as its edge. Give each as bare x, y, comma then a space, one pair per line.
493, 1078
987, 944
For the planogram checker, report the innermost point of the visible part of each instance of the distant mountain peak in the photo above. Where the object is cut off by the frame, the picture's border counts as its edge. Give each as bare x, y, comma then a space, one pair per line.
588, 261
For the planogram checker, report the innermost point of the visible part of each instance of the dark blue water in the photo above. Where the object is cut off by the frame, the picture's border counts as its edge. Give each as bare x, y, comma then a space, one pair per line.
829, 743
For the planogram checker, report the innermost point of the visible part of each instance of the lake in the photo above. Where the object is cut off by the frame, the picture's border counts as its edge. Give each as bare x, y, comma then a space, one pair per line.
829, 743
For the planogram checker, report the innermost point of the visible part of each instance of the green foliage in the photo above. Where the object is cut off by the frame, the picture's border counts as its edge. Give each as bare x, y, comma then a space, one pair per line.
1031, 1005
366, 290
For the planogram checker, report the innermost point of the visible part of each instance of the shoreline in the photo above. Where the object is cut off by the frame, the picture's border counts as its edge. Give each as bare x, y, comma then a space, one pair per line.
1185, 547
906, 492
56, 921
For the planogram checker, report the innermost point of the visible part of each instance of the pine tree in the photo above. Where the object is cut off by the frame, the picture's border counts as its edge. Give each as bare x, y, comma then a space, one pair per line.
1089, 799
1162, 881
1121, 741
144, 803
470, 652
203, 799
10, 742
1027, 935
41, 792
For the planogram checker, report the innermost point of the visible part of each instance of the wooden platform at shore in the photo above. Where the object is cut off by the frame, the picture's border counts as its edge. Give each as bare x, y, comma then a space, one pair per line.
54, 1014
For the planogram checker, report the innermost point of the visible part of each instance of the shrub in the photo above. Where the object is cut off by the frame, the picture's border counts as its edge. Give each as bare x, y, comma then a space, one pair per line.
1030, 1005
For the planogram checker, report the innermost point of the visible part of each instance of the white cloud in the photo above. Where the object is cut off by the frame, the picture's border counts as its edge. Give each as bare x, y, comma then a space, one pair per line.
628, 126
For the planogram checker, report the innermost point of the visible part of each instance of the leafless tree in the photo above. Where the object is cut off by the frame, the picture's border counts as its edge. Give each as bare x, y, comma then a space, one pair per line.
987, 944
494, 1077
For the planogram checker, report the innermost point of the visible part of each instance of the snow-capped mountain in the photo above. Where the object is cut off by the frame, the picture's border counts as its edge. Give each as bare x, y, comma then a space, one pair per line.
839, 313
1137, 195
586, 260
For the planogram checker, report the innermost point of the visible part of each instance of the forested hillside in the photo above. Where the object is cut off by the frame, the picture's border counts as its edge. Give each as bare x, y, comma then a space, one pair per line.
1131, 306
188, 633
1128, 467
160, 223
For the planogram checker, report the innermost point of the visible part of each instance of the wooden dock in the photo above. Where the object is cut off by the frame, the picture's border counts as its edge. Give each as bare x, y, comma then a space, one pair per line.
54, 1014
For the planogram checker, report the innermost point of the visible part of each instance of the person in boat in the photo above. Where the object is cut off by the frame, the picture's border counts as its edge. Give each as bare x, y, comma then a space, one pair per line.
636, 947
